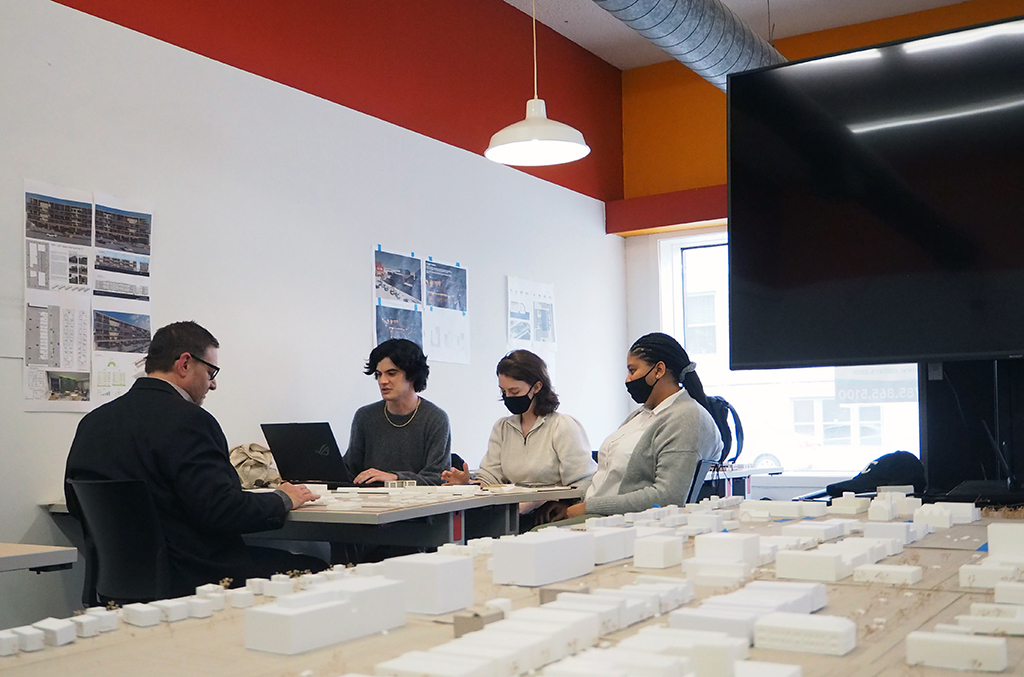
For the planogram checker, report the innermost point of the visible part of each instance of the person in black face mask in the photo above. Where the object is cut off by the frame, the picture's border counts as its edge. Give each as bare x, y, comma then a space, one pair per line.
651, 459
535, 445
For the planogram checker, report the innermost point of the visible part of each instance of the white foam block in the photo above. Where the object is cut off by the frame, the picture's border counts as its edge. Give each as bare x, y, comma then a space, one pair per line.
650, 599
29, 638
612, 543
9, 643
733, 622
241, 598
762, 600
1006, 541
172, 609
609, 611
580, 667
849, 504
584, 626
811, 565
890, 574
142, 615
671, 595
987, 575
962, 513
208, 589
277, 588
86, 625
822, 531
710, 521
634, 609
833, 635
256, 585
901, 531
934, 515
436, 584
657, 552
549, 641
764, 669
817, 593
528, 648
505, 661
715, 573
728, 547
109, 620
1009, 592
424, 664
639, 663
710, 653
542, 557
200, 607
379, 603
282, 629
958, 652
57, 632
218, 600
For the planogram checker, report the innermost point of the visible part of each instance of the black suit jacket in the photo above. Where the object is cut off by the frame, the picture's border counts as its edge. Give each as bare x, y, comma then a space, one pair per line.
152, 433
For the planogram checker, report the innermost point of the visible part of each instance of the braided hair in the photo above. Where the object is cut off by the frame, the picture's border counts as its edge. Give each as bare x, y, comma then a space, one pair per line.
658, 347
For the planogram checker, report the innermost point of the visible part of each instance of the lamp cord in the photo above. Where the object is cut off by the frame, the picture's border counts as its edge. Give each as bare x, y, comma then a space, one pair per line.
535, 49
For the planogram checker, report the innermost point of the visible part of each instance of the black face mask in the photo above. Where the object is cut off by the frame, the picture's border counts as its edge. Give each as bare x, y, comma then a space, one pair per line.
517, 404
639, 389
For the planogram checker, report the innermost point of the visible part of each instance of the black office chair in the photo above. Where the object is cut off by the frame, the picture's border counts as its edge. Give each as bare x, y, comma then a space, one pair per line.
125, 552
703, 467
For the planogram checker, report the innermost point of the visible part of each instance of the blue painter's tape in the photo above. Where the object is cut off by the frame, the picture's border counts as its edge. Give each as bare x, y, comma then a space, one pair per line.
412, 255
983, 548
378, 247
430, 258
415, 306
378, 300
456, 264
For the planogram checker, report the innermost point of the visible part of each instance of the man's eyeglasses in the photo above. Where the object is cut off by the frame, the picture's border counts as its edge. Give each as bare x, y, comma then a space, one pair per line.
215, 368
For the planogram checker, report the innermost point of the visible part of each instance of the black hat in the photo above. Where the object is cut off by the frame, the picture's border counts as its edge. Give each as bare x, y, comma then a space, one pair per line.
897, 468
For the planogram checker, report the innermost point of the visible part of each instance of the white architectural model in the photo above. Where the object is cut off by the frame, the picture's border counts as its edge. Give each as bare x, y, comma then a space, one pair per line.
29, 638
763, 669
109, 620
934, 515
200, 607
241, 598
612, 543
820, 531
987, 574
833, 635
542, 557
890, 574
957, 652
963, 513
710, 653
142, 615
849, 504
1009, 592
436, 584
432, 664
9, 643
811, 566
1006, 542
657, 552
56, 632
86, 625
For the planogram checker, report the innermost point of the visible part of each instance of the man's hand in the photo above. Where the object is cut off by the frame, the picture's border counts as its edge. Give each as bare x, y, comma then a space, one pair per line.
456, 476
298, 493
374, 475
576, 510
552, 511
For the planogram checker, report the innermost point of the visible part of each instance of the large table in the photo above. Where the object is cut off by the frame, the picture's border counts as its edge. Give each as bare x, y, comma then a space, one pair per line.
38, 558
884, 616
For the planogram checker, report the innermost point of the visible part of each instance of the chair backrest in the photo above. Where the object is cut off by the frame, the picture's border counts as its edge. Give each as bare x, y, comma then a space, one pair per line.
703, 467
126, 555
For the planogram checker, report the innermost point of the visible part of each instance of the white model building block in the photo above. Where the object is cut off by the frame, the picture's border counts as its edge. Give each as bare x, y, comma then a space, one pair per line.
172, 609
86, 625
542, 557
833, 635
850, 525
608, 611
549, 641
787, 509
889, 574
300, 622
109, 620
532, 650
934, 515
212, 588
1009, 592
200, 607
634, 609
672, 594
142, 615
645, 531
852, 558
657, 552
711, 521
816, 593
987, 575
764, 600
882, 509
715, 573
218, 600
379, 603
437, 584
505, 661
710, 653
274, 588
9, 643
811, 566
765, 669
639, 663
953, 629
29, 638
370, 569
900, 531
424, 664
921, 529
240, 598
728, 547
822, 531
813, 508
579, 667
1001, 610
874, 548
256, 585
735, 623
788, 543
963, 513
584, 626
611, 543
1006, 541
906, 505
502, 604
886, 547
57, 632
993, 625
651, 600
849, 504
958, 652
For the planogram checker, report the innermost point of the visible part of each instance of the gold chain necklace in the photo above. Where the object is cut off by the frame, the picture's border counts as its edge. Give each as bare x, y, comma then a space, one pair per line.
418, 400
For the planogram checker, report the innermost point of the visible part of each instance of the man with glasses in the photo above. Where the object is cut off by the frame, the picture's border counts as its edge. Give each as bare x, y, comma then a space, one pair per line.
159, 432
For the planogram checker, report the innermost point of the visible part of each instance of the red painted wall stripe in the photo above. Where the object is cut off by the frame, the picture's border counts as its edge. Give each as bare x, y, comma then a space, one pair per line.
453, 70
667, 209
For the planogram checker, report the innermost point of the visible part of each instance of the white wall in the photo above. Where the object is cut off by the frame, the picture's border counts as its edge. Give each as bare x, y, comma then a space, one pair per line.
267, 204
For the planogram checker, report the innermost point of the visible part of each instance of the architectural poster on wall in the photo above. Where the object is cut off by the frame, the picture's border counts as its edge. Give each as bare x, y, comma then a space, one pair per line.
76, 300
446, 316
398, 296
531, 316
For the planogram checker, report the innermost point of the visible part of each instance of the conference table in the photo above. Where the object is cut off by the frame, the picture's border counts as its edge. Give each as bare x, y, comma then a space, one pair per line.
38, 558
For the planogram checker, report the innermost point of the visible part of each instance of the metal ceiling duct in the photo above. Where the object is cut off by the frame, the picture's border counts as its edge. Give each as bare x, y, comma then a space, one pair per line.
703, 35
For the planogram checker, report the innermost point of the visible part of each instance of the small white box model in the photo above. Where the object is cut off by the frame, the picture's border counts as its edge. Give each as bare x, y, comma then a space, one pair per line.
715, 573
86, 625
218, 600
580, 667
634, 609
833, 635
657, 552
542, 557
1006, 541
256, 585
172, 609
584, 626
890, 574
57, 632
710, 521
962, 513
274, 588
608, 610
672, 594
281, 628
241, 598
639, 663
424, 664
764, 669
987, 575
436, 584
532, 650
109, 620
200, 607
710, 653
612, 543
815, 593
763, 600
901, 531
29, 638
849, 504
821, 531
210, 588
993, 625
651, 600
728, 547
1009, 592
142, 615
9, 643
934, 516
957, 652
506, 661
882, 509
549, 641
811, 566
734, 622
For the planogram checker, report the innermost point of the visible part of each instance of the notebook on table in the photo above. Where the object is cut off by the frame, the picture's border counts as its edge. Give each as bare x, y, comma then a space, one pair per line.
308, 452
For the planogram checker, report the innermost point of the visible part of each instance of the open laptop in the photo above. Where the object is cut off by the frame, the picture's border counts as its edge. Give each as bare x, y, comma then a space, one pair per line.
308, 452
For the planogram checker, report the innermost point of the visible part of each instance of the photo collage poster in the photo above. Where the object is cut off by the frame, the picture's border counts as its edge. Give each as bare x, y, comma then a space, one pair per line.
531, 319
425, 301
87, 306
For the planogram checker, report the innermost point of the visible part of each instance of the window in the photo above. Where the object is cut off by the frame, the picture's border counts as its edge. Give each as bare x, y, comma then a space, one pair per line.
815, 419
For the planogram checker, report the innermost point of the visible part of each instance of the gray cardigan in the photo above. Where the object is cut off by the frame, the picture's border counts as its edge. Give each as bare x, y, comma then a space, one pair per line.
663, 463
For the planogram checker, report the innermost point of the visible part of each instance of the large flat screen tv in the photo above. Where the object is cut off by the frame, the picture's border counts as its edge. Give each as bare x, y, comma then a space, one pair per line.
876, 204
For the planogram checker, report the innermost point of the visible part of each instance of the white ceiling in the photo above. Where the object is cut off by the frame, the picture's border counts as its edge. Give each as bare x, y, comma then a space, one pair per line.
597, 31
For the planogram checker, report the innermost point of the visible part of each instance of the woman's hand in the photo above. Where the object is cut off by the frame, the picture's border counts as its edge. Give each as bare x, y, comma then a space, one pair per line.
456, 476
576, 510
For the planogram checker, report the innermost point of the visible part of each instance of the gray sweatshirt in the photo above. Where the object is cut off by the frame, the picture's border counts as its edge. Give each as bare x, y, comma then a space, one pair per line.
417, 451
663, 463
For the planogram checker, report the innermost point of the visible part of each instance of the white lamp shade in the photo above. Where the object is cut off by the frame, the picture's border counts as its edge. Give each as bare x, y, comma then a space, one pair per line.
536, 141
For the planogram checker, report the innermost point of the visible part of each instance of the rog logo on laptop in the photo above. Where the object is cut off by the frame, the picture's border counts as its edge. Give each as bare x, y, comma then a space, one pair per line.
323, 450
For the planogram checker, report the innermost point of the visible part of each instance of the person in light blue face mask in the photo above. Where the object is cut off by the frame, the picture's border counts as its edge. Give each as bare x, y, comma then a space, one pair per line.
536, 445
651, 459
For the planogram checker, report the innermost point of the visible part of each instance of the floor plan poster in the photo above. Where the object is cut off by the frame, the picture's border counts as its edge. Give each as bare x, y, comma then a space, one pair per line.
58, 340
531, 315
121, 324
446, 315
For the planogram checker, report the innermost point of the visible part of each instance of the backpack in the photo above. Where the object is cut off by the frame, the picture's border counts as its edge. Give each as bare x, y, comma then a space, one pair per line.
720, 409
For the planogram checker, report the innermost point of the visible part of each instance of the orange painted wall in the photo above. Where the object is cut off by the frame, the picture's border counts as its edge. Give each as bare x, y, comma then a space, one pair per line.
453, 70
674, 123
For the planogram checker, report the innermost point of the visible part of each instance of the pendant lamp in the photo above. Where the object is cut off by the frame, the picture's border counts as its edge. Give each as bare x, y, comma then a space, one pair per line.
536, 141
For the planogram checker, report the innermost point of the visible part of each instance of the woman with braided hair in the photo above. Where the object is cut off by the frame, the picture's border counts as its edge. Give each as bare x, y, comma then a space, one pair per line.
651, 459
